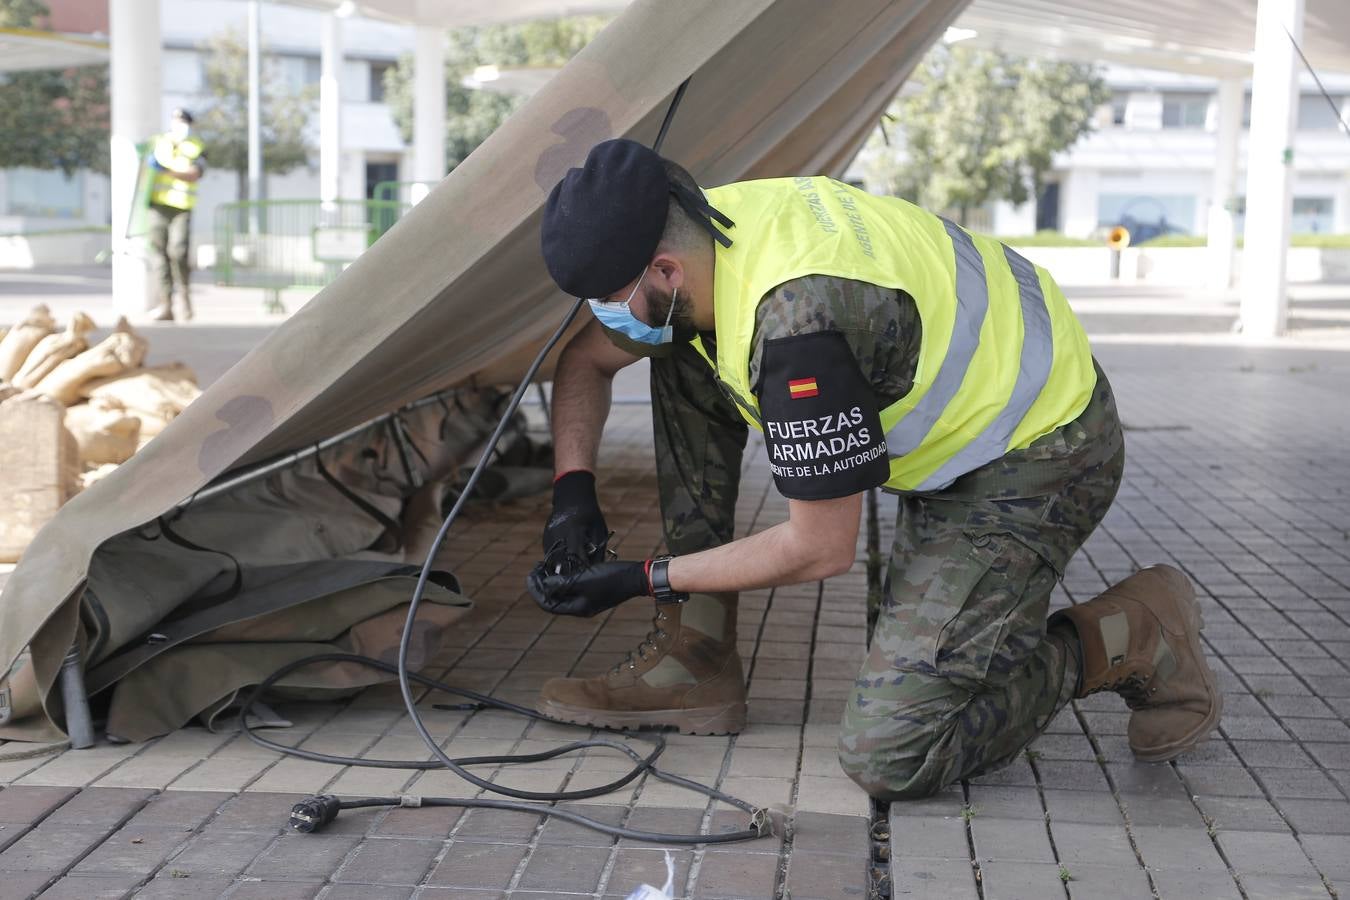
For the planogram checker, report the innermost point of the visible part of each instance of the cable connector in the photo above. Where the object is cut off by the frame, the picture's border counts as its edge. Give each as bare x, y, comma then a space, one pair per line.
313, 813
412, 800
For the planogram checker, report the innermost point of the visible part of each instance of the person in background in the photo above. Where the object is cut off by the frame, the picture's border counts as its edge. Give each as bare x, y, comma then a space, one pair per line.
177, 164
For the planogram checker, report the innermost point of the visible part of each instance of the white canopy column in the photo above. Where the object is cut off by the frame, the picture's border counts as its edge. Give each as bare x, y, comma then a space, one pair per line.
330, 108
134, 89
1270, 159
428, 107
1223, 195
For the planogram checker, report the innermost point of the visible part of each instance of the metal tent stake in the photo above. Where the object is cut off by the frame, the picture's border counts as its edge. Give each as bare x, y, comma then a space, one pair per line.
79, 724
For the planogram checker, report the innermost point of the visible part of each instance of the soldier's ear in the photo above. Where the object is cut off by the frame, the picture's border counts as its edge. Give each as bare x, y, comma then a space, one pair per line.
671, 270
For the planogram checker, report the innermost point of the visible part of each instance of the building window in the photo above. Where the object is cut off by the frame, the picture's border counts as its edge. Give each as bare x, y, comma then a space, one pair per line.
1315, 113
377, 72
1119, 100
1313, 215
44, 193
1147, 215
1184, 110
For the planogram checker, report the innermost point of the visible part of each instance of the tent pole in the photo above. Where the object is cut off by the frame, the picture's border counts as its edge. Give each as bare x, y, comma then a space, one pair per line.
79, 724
289, 459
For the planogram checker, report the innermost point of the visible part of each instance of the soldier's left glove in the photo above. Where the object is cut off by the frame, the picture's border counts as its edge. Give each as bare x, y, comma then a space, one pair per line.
593, 590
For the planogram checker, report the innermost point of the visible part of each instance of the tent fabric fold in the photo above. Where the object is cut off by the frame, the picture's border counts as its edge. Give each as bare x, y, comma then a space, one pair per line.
457, 291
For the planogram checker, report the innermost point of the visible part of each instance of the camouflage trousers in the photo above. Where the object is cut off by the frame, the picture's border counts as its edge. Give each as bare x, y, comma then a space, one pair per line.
961, 673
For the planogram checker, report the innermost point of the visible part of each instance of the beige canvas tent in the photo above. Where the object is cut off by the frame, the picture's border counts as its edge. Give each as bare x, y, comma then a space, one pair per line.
457, 291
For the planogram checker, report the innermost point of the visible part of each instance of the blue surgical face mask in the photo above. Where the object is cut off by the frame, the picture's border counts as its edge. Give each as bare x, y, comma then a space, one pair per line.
618, 316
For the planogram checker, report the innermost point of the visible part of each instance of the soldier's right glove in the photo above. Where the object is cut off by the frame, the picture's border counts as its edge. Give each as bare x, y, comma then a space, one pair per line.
576, 535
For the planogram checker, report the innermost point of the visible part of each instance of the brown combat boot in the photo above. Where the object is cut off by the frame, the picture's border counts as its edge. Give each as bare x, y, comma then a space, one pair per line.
686, 674
1141, 639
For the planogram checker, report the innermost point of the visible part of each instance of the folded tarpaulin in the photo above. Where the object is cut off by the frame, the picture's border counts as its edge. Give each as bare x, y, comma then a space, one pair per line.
458, 290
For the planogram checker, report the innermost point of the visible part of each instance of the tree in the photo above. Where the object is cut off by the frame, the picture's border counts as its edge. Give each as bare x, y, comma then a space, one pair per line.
979, 125
472, 115
223, 125
51, 119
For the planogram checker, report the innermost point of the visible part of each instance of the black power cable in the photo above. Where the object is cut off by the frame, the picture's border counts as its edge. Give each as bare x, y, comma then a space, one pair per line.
316, 812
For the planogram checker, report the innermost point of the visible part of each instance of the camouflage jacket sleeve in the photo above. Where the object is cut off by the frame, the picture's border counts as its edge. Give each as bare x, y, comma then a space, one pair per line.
881, 326
828, 354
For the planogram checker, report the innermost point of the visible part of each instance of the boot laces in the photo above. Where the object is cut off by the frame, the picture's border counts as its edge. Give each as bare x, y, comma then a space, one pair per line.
639, 653
1133, 689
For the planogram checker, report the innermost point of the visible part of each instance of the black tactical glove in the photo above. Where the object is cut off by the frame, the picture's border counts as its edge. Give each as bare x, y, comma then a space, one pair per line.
575, 535
602, 586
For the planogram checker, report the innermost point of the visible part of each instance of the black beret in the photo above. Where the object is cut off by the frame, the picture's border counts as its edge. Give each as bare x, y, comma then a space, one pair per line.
603, 221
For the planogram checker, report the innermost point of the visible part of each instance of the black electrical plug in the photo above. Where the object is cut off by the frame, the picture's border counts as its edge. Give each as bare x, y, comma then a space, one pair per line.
313, 813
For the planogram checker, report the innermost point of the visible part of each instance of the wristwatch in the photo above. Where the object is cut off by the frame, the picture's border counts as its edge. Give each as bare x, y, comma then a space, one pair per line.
658, 576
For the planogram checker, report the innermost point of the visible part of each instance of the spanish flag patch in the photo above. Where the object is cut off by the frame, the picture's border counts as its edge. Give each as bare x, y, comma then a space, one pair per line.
799, 388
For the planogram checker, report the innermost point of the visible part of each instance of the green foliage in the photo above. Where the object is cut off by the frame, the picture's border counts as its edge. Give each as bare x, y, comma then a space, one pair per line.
223, 126
472, 115
51, 119
1049, 239
1325, 241
981, 125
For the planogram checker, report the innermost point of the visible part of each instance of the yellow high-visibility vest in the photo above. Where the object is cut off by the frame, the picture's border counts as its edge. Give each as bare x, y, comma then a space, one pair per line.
1002, 362
174, 156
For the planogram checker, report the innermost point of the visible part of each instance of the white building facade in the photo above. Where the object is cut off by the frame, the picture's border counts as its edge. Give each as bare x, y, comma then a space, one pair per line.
1153, 154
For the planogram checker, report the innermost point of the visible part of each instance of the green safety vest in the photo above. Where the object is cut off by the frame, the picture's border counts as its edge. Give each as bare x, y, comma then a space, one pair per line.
174, 156
1003, 359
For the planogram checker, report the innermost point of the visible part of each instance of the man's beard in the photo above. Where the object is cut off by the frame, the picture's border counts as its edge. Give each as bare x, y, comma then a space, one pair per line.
658, 307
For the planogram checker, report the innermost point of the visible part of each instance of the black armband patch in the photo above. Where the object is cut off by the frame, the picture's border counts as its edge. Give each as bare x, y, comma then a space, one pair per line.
821, 422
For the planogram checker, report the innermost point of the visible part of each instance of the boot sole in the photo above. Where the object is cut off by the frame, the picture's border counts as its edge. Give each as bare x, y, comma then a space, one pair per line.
707, 720
1195, 619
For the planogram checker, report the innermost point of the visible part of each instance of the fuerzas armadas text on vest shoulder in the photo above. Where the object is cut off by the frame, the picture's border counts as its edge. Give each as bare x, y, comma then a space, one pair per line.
834, 435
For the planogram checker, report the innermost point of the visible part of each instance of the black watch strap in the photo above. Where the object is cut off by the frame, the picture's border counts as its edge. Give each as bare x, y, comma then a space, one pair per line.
658, 574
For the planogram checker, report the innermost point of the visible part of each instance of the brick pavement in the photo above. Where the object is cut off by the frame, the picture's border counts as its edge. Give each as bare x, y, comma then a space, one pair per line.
1237, 473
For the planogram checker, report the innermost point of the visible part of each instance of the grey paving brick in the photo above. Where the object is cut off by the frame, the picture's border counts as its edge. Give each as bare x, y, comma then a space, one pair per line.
1105, 845
100, 806
366, 892
495, 825
425, 821
276, 890
1330, 853
91, 887
826, 833
827, 875
1010, 840
21, 885
1173, 848
1264, 853
933, 879
51, 848
1006, 880
564, 869
182, 886
1153, 780
1242, 813
187, 809
1316, 816
1283, 887
1163, 811
1082, 806
132, 850
1180, 884
1070, 775
726, 874
1333, 756
397, 861
478, 865
1107, 882
302, 857
667, 821
22, 805
1277, 754
933, 837
1219, 781
459, 894
218, 851
1006, 802
1294, 783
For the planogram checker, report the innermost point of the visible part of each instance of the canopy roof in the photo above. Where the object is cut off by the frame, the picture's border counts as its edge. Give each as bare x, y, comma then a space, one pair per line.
1214, 37
29, 48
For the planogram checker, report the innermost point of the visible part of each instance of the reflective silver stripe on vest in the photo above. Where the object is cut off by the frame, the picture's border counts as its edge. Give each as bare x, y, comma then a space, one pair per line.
1033, 371
972, 303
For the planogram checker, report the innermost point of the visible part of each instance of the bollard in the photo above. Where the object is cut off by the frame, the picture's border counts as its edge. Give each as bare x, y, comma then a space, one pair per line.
79, 724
